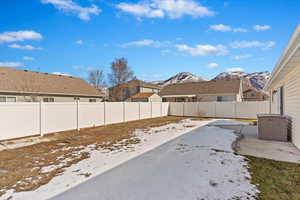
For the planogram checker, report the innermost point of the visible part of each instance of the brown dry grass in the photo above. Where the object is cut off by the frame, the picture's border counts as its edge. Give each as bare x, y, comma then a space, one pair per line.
21, 168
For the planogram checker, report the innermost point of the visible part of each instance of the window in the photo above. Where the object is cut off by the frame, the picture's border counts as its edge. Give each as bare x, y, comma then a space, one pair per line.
180, 99
219, 98
11, 99
92, 100
8, 99
48, 99
2, 99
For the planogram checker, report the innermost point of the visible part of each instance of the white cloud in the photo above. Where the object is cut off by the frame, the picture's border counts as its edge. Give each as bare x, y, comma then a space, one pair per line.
27, 58
84, 68
243, 30
172, 9
146, 42
203, 50
11, 64
239, 57
235, 69
19, 36
254, 43
69, 6
24, 47
60, 73
261, 27
212, 65
79, 42
220, 27
226, 28
165, 51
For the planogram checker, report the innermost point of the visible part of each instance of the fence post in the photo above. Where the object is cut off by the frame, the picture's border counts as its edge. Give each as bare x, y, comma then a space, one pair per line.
41, 118
235, 113
104, 113
151, 109
215, 109
139, 110
160, 109
77, 115
183, 108
123, 111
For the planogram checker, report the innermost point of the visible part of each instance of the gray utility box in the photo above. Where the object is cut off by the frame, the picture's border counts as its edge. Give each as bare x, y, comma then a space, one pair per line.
274, 127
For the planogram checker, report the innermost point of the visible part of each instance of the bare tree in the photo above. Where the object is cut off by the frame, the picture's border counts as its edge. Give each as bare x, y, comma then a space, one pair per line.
120, 72
96, 78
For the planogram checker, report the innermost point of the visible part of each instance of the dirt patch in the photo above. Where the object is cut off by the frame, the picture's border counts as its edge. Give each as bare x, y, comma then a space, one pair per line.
29, 167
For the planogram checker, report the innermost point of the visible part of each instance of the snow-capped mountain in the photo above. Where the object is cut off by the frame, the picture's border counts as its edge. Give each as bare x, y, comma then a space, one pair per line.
256, 79
182, 77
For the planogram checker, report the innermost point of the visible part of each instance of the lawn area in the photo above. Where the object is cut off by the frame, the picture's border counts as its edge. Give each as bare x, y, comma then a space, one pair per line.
29, 167
276, 180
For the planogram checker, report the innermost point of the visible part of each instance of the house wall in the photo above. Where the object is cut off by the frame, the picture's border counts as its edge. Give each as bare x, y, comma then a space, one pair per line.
21, 98
204, 98
214, 97
144, 89
291, 87
252, 95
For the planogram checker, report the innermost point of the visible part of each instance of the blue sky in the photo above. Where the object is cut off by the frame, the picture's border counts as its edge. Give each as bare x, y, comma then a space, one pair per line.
158, 37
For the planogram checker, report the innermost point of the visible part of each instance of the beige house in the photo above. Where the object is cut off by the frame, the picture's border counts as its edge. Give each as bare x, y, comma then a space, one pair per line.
215, 90
124, 91
284, 85
146, 97
252, 94
29, 86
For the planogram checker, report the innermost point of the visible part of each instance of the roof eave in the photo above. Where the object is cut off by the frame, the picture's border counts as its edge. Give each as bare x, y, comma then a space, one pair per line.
45, 93
284, 58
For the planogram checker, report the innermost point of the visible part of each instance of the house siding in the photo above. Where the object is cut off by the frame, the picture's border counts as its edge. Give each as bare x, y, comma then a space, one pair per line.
21, 98
291, 85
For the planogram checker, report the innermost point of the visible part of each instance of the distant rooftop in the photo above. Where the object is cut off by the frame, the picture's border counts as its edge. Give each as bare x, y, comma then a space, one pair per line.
24, 81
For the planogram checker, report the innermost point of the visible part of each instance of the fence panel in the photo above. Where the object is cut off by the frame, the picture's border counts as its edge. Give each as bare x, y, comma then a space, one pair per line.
264, 107
176, 108
90, 114
145, 110
190, 109
207, 109
225, 109
247, 110
19, 120
114, 112
165, 109
58, 117
156, 109
131, 111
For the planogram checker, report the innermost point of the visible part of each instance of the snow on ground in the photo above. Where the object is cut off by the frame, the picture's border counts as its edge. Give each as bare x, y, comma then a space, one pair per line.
103, 160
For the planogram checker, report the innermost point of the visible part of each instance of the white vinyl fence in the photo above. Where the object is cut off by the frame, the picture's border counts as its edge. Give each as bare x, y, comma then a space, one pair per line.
243, 110
26, 119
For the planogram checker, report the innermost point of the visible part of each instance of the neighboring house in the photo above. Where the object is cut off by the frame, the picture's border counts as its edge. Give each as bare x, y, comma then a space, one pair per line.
124, 91
252, 94
284, 85
215, 90
146, 97
29, 86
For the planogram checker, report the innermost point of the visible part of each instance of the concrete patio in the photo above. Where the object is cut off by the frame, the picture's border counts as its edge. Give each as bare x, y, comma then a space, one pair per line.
249, 144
